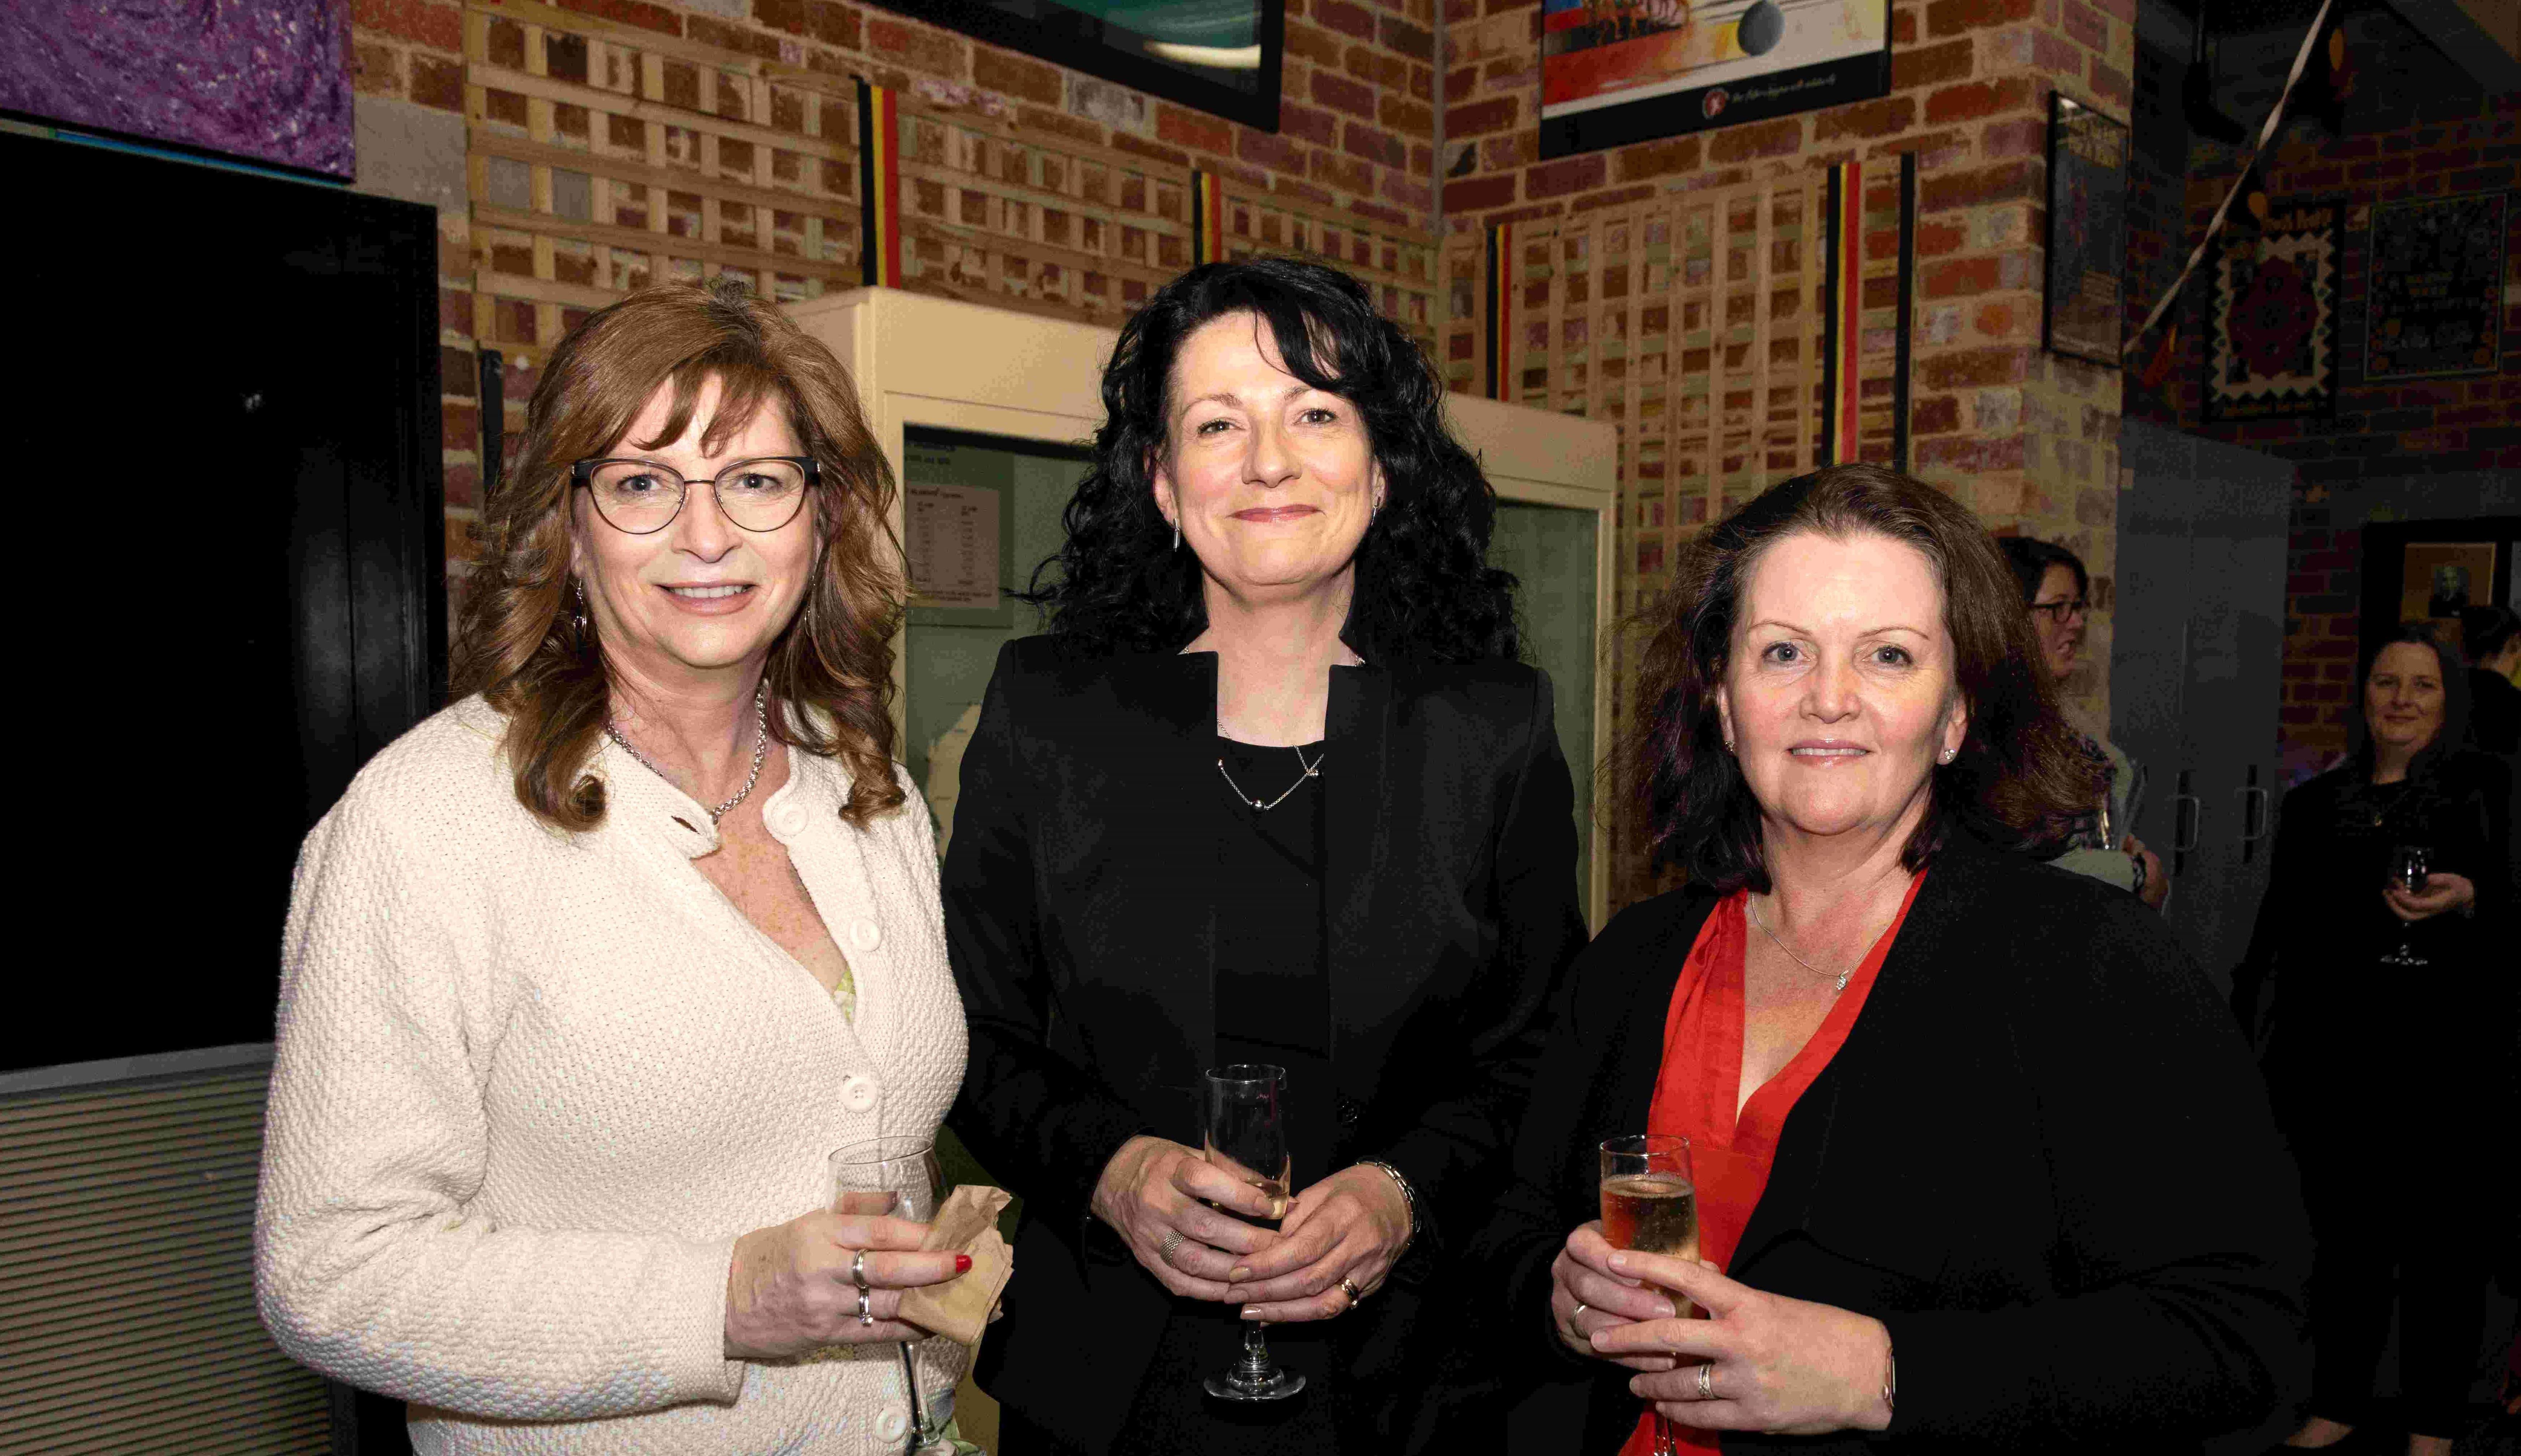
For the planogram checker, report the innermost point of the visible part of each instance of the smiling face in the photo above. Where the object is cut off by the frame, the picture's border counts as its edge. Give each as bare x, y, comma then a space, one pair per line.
1271, 481
1839, 690
2061, 635
2402, 699
700, 598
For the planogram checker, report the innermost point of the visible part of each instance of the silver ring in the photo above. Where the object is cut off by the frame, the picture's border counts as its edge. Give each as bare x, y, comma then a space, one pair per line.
1707, 1380
1580, 1308
858, 1270
1174, 1239
866, 1313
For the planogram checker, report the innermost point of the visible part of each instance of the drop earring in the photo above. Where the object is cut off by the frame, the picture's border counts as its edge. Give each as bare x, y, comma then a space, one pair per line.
579, 621
1177, 536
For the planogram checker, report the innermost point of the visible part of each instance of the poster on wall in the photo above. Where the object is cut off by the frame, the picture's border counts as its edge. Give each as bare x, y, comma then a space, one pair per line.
1615, 71
2271, 316
2435, 301
2088, 157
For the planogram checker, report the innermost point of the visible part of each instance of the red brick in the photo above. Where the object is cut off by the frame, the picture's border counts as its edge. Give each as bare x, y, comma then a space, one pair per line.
2053, 55
1279, 153
2023, 136
1413, 41
1059, 125
375, 70
1939, 239
1374, 144
737, 38
1616, 198
1783, 137
439, 27
1341, 94
1974, 368
1656, 159
1959, 277
1319, 128
1406, 117
1404, 189
1975, 100
1376, 67
1312, 43
2086, 26
1474, 194
1014, 76
1973, 456
1184, 127
463, 485
1930, 65
1481, 117
1566, 177
1345, 18
1421, 85
1346, 173
1960, 17
1867, 119
1940, 415
638, 13
460, 426
2006, 182
921, 49
437, 83
2111, 84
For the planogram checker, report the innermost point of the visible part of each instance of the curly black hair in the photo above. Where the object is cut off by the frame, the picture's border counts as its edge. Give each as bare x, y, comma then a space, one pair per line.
1424, 588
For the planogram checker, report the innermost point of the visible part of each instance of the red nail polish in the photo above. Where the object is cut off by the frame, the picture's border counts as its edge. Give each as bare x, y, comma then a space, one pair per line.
962, 1263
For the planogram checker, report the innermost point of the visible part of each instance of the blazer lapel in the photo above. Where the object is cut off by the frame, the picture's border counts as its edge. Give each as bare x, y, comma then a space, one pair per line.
1169, 764
1357, 831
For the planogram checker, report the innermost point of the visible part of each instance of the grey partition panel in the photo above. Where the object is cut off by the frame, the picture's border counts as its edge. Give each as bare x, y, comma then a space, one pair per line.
2149, 636
1552, 551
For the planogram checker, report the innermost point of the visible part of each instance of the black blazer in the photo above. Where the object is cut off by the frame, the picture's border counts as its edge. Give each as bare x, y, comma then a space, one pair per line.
2043, 1158
1081, 913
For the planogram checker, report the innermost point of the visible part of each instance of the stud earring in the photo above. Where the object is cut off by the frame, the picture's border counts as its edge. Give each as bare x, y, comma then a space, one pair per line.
1946, 757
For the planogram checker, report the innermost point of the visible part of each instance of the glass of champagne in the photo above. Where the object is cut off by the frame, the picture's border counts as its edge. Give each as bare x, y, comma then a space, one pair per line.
1243, 1130
1650, 1205
905, 1167
2409, 866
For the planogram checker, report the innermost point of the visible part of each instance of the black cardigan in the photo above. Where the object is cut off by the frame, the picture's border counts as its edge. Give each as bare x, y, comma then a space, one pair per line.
2043, 1158
1080, 914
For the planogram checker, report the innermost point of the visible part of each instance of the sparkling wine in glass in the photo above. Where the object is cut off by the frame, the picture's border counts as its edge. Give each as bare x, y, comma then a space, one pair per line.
2410, 867
1243, 1130
905, 1167
1650, 1205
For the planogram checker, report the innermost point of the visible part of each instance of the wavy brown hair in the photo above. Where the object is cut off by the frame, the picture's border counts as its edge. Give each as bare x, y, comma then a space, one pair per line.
2021, 780
523, 648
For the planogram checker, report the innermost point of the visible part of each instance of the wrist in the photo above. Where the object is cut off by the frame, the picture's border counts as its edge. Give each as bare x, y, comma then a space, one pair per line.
1119, 1172
1409, 1204
1880, 1397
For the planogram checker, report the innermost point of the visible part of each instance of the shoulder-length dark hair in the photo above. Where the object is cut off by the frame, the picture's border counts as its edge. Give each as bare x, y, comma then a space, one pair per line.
2454, 685
1424, 587
2031, 560
522, 646
2021, 780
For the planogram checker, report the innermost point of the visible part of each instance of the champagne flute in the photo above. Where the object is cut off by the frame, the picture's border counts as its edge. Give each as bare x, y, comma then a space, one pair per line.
2409, 866
1650, 1205
905, 1167
1243, 1130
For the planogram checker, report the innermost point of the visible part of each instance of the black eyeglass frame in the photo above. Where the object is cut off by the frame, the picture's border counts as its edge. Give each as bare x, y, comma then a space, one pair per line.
581, 477
2058, 612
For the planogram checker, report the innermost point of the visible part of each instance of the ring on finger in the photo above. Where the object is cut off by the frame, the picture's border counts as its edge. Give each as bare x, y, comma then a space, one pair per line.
866, 1309
1579, 1313
1356, 1296
858, 1270
1174, 1239
1707, 1380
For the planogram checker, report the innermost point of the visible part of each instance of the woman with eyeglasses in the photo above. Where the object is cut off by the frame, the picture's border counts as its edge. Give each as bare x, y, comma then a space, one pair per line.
586, 977
2057, 591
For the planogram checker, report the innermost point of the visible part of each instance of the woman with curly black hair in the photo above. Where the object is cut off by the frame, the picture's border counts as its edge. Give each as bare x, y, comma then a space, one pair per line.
1272, 788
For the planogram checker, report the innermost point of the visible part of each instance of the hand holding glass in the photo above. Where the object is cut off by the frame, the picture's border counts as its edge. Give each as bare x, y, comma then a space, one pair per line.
1650, 1205
2410, 867
905, 1167
1243, 1131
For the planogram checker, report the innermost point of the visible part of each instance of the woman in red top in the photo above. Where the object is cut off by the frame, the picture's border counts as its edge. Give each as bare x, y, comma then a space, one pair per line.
1976, 1151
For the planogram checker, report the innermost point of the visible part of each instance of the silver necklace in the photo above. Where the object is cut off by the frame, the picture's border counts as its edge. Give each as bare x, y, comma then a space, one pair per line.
1313, 770
1753, 906
761, 751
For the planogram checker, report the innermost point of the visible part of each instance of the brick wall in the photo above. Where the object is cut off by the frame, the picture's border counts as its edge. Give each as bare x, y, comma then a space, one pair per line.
2410, 133
1356, 125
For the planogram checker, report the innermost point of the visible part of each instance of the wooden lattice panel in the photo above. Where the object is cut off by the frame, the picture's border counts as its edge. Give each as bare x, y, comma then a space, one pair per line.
1397, 265
1040, 223
602, 159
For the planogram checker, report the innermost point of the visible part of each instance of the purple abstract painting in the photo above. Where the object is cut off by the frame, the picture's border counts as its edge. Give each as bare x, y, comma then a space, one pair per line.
262, 80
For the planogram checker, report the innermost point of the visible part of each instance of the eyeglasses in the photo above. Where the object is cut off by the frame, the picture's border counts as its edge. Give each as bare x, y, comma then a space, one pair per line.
642, 497
2059, 612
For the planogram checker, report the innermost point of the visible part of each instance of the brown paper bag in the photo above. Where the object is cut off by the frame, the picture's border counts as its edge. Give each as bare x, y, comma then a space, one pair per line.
963, 1306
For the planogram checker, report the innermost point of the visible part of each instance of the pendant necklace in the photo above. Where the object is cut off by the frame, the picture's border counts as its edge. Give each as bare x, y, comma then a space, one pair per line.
1313, 770
1840, 980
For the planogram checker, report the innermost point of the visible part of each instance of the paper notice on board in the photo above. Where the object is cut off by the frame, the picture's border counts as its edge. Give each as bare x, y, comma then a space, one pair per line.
953, 544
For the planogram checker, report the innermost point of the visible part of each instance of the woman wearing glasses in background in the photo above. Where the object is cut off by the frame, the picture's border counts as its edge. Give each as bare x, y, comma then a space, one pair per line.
586, 976
2058, 592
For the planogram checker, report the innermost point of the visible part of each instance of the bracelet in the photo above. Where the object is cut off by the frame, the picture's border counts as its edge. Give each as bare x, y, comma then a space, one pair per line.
1891, 1381
1409, 1198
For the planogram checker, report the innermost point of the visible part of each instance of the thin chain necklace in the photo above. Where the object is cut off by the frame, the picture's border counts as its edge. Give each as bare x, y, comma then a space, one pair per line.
1313, 770
1753, 906
761, 751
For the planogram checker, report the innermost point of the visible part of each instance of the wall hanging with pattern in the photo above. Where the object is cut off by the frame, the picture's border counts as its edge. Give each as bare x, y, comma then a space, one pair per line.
2271, 316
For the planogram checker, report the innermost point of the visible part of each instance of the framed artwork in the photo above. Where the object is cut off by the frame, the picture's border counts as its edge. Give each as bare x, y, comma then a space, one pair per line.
2088, 157
1615, 71
2439, 580
2271, 316
2434, 306
1219, 56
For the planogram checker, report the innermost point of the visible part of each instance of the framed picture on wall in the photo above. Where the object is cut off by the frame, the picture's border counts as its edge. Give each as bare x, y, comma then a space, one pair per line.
2433, 571
1219, 56
1615, 71
2434, 306
2088, 158
2271, 316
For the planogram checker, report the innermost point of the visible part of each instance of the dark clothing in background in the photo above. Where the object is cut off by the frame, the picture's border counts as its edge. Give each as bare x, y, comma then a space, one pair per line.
2041, 1158
1091, 922
2394, 1084
2494, 713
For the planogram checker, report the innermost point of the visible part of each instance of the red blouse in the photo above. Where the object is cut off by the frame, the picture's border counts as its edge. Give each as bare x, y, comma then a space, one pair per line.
1701, 1075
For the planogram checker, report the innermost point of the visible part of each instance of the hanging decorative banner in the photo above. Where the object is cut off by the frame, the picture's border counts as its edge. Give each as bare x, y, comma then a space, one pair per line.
1501, 284
1207, 218
1843, 331
1615, 71
879, 186
2271, 319
2434, 307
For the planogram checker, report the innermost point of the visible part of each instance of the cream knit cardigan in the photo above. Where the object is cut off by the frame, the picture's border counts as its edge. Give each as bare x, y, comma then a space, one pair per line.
531, 1086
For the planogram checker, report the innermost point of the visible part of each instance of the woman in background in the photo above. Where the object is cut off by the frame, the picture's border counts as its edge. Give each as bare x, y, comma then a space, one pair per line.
2395, 1082
2058, 592
1272, 788
586, 974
